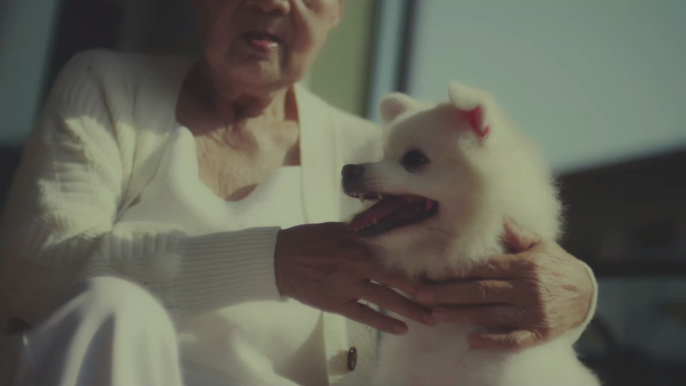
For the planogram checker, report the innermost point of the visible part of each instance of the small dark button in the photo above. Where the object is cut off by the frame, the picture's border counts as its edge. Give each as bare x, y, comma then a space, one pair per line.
352, 358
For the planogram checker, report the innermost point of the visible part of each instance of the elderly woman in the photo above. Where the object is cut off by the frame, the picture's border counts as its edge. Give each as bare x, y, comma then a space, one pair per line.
154, 234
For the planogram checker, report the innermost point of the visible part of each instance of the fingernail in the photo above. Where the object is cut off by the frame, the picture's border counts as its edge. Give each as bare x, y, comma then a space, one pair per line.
400, 330
475, 341
428, 319
439, 316
425, 297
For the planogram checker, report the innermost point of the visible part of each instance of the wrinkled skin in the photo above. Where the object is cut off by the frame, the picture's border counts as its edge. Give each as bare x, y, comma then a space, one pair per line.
328, 267
238, 100
536, 293
301, 26
540, 290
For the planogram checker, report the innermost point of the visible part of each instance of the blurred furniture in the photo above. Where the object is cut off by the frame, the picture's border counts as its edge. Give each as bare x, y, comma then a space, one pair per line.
622, 366
83, 25
628, 221
9, 161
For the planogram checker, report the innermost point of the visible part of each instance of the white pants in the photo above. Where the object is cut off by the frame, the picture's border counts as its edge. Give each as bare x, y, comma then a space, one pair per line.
110, 333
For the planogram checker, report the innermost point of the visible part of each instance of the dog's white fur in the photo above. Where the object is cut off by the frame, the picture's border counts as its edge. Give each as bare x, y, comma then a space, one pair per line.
478, 183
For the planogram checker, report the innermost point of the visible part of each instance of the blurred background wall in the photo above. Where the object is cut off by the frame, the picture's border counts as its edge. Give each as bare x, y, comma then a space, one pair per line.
607, 79
27, 31
341, 74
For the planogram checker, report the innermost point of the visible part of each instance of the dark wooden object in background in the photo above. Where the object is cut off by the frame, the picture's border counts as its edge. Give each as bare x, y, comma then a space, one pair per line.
629, 218
84, 25
9, 161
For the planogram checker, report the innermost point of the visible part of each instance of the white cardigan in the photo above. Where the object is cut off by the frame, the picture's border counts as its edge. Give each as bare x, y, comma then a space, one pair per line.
99, 143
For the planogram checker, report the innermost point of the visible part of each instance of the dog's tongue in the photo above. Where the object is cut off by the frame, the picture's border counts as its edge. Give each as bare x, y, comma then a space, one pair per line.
380, 210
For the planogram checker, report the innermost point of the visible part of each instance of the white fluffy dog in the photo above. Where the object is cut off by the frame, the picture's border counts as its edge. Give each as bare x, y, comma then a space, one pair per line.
451, 174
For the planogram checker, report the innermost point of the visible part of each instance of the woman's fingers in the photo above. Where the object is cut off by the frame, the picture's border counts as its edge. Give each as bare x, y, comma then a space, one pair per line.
518, 239
494, 316
389, 299
366, 315
514, 265
328, 267
393, 279
472, 292
513, 340
501, 267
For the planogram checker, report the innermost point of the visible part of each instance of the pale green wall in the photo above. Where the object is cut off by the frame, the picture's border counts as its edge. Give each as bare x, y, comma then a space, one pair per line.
595, 82
341, 73
26, 31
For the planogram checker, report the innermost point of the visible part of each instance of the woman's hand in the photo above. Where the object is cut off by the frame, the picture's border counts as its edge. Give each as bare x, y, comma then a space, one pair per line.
531, 296
328, 267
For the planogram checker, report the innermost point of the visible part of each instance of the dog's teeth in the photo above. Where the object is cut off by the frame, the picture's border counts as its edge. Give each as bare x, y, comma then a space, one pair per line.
380, 197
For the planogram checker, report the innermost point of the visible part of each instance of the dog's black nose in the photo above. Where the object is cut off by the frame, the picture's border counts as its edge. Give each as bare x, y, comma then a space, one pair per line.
352, 172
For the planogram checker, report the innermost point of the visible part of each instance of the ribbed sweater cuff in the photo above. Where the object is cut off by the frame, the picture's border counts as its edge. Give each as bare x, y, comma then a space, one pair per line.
224, 269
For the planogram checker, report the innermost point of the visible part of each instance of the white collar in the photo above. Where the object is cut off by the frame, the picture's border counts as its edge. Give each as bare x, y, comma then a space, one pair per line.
321, 180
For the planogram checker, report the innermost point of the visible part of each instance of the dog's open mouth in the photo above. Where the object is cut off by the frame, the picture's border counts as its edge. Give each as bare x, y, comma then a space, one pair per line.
390, 212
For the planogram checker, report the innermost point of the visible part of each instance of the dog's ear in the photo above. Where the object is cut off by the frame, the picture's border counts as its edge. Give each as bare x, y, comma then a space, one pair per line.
468, 105
394, 105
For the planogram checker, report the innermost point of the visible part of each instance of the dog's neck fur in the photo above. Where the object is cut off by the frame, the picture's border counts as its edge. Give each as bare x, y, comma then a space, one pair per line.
441, 255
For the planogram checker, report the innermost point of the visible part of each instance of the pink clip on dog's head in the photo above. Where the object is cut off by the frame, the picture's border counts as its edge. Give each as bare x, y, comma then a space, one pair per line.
476, 121
462, 98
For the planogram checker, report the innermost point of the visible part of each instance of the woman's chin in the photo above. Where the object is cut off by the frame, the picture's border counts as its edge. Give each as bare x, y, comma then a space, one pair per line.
260, 74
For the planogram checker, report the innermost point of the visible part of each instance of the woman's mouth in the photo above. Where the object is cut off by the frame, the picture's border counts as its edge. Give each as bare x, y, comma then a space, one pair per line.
263, 42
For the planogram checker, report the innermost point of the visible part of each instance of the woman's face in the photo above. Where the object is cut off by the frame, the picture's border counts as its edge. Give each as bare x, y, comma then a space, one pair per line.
264, 43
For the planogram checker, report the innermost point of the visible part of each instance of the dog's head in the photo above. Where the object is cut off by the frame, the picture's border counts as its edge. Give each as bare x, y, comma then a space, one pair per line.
438, 190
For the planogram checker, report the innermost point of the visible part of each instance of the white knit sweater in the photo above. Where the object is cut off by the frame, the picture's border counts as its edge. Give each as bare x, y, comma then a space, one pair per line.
98, 144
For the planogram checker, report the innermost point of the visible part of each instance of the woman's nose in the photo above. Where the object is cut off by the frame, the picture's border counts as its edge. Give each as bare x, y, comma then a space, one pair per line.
281, 7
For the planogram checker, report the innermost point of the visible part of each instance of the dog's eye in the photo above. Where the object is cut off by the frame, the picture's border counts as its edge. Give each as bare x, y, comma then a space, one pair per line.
414, 159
